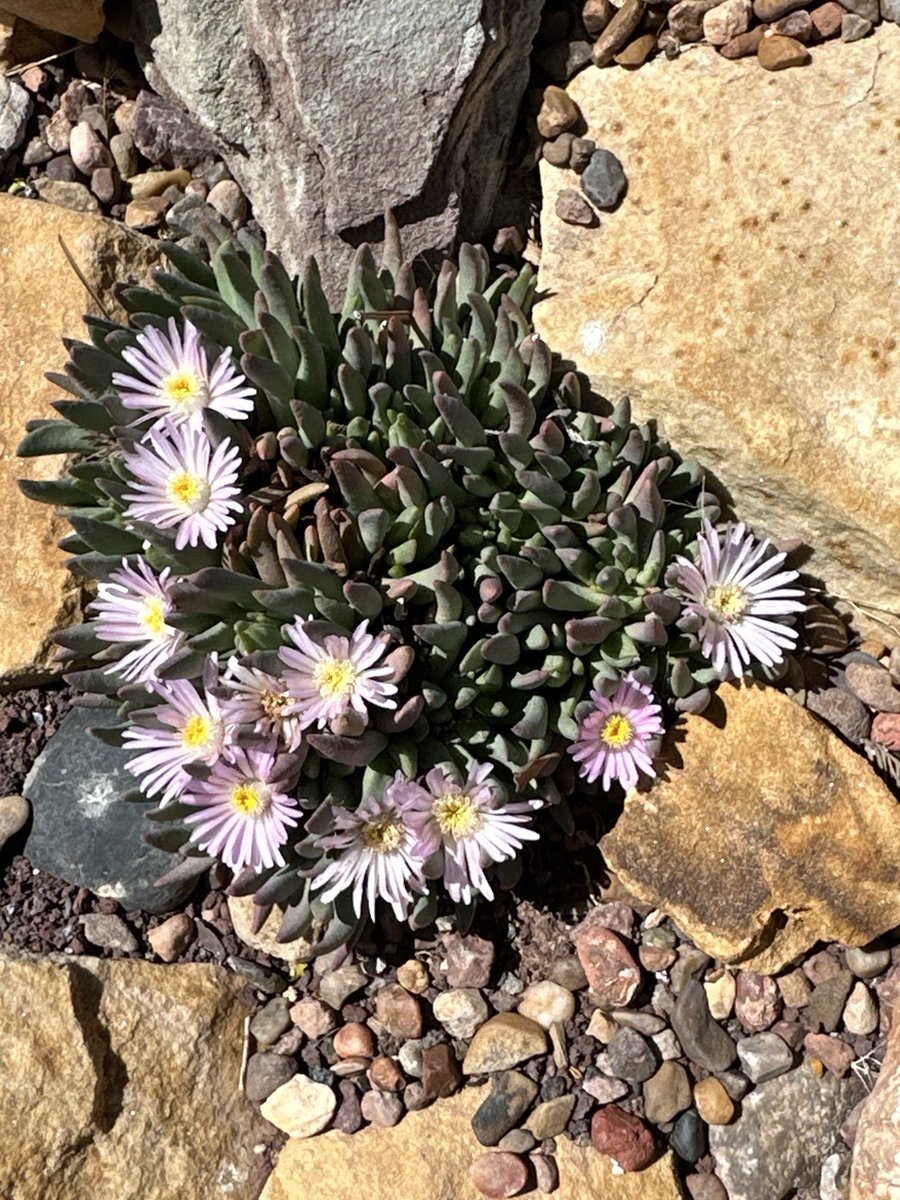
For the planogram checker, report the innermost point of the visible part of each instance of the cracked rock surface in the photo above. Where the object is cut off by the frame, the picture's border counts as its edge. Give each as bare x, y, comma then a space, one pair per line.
745, 289
100, 1060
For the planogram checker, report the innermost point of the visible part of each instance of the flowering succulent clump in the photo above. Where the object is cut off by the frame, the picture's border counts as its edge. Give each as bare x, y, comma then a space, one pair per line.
375, 586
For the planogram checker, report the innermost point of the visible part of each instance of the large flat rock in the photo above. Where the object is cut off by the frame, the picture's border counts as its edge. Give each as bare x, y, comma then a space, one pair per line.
745, 291
120, 1079
770, 835
42, 301
427, 1157
876, 1149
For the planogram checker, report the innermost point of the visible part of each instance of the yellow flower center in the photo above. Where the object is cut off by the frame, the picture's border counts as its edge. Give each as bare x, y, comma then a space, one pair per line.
727, 603
617, 730
183, 387
335, 677
251, 799
382, 834
457, 814
196, 732
190, 490
153, 617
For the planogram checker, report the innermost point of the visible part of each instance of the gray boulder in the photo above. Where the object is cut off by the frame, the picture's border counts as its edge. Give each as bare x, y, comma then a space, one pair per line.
328, 113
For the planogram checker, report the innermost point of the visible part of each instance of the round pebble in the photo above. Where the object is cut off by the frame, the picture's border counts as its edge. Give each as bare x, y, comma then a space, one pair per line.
469, 960
498, 1174
866, 964
604, 183
688, 1137
354, 1040
572, 208
568, 973
314, 1018
757, 1002
413, 976
667, 1093
630, 1056
546, 1172
14, 812
272, 1020
712, 1102
547, 1003
623, 1136
229, 202
385, 1075
265, 1073
517, 1141
559, 112
381, 1108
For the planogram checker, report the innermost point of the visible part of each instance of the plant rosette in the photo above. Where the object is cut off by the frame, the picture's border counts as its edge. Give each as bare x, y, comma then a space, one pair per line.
377, 588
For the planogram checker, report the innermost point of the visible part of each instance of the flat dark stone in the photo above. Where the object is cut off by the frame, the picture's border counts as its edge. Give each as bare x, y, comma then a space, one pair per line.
603, 179
83, 831
510, 1097
702, 1039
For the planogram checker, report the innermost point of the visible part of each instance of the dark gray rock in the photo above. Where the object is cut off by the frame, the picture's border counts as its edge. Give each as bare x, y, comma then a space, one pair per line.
83, 831
827, 1001
631, 1056
165, 133
689, 1136
702, 1039
843, 710
784, 1130
510, 1097
265, 1073
603, 179
328, 114
271, 1021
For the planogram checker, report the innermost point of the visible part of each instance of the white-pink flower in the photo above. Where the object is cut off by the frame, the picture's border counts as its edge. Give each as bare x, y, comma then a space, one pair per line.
613, 740
243, 818
329, 680
175, 383
183, 484
261, 701
131, 609
738, 597
468, 822
193, 731
380, 855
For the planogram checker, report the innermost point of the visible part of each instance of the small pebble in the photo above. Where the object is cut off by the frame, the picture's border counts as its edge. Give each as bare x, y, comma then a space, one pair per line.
795, 989
691, 964
559, 112
623, 1136
603, 182
67, 195
469, 960
642, 1022
821, 966
546, 1172
354, 1040
712, 1101
109, 932
705, 1187
854, 27
145, 214
413, 976
826, 20
827, 1001
104, 184
301, 1107
87, 149
703, 1040
796, 25
504, 1041
834, 1053
154, 183
637, 51
631, 1056
348, 1118
558, 150
410, 1056
667, 1044
265, 1073
440, 1071
726, 21
612, 973
313, 1017
860, 1012
229, 202
511, 1096
498, 1174
596, 15
688, 1137
776, 53
551, 1117
272, 1020
568, 973
517, 1141
667, 1093
337, 986
866, 964
385, 1075
547, 1003
620, 28
886, 727
14, 812
871, 682
381, 1108
121, 146
604, 1090
572, 208
744, 45
579, 157
764, 1056
601, 1026
461, 1011
720, 995
398, 1011
757, 1002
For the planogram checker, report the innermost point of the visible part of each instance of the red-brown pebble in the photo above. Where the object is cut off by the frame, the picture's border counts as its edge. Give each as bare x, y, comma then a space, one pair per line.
796, 25
827, 19
498, 1174
776, 53
836, 1054
744, 44
354, 1041
612, 974
398, 1012
757, 1003
886, 729
623, 1136
385, 1075
441, 1073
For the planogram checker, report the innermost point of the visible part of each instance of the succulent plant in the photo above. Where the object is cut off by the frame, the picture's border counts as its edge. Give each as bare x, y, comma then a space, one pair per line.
420, 462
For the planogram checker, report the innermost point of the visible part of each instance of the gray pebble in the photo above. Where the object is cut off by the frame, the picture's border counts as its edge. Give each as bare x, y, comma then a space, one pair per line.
381, 1108
631, 1056
689, 1137
15, 109
229, 202
764, 1056
109, 932
36, 152
735, 1084
272, 1020
854, 27
603, 179
843, 710
866, 964
580, 154
703, 1039
67, 195
827, 1001
689, 965
124, 154
265, 1073
557, 151
517, 1141
61, 168
646, 1023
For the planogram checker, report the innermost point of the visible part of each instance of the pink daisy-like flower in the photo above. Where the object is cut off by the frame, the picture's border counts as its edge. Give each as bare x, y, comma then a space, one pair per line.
194, 731
740, 599
470, 825
612, 740
261, 700
131, 608
327, 681
380, 854
243, 818
182, 483
175, 382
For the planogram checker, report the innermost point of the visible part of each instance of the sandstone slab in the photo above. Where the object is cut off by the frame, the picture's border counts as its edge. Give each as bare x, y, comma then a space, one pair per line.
428, 1155
328, 114
39, 594
118, 1078
745, 290
82, 19
875, 1174
773, 835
